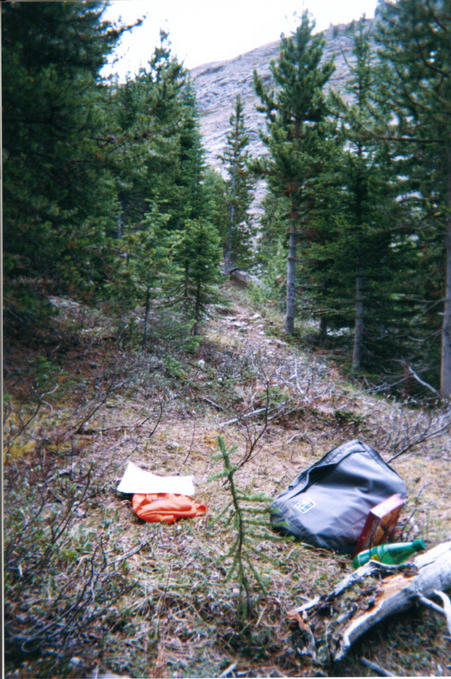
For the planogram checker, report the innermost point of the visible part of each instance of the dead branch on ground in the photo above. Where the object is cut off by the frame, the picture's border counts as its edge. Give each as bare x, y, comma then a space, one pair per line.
331, 623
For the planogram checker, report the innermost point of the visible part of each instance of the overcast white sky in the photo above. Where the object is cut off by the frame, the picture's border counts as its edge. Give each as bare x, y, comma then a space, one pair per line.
201, 31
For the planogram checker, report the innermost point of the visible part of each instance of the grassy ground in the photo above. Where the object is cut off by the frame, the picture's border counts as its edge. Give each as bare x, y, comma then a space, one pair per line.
89, 588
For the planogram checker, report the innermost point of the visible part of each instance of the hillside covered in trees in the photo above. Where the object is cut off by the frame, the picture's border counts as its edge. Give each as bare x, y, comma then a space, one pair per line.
126, 336
108, 197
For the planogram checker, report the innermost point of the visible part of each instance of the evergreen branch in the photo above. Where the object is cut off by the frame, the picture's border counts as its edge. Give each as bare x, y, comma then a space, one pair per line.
257, 576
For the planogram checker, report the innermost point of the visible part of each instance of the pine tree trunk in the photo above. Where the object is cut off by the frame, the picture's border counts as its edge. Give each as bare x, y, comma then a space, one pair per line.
119, 225
358, 322
445, 377
197, 309
146, 317
291, 279
323, 321
228, 247
323, 330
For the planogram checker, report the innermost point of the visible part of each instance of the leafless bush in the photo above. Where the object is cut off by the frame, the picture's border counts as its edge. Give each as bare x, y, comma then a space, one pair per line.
400, 430
63, 581
58, 586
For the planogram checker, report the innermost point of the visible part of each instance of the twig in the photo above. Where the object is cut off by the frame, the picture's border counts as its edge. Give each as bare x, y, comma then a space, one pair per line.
228, 671
421, 439
243, 417
276, 410
117, 427
78, 427
430, 604
418, 379
445, 610
128, 554
212, 403
377, 668
252, 441
190, 444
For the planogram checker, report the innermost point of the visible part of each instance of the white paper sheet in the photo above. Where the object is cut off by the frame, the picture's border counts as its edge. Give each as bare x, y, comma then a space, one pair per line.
137, 480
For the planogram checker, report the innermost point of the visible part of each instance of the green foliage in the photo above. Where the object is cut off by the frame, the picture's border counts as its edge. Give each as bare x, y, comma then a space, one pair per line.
414, 54
142, 268
172, 252
247, 516
46, 372
199, 252
348, 262
151, 118
58, 193
106, 193
299, 139
238, 196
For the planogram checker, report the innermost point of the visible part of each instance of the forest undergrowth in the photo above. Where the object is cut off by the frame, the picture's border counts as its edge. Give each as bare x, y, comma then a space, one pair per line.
91, 590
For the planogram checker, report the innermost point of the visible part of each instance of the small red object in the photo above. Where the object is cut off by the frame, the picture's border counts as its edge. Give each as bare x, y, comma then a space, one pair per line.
166, 507
380, 523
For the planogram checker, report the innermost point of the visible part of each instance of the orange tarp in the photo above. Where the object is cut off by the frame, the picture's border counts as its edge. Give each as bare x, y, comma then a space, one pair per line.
166, 507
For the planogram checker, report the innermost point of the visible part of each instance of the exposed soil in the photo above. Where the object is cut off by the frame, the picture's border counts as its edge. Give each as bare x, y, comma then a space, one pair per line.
163, 409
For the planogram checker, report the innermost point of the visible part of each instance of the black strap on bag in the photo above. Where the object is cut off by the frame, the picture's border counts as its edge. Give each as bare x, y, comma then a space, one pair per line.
328, 503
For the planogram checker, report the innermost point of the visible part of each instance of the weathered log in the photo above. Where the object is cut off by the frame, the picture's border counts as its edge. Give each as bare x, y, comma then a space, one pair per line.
331, 623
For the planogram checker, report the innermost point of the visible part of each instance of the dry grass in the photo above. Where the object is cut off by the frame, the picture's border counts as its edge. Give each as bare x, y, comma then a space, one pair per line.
159, 604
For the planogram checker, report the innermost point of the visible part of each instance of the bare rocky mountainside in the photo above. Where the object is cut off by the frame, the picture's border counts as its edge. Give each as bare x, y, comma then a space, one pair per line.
217, 84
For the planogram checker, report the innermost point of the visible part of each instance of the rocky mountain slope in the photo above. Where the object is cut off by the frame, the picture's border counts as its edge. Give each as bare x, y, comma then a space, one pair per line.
217, 84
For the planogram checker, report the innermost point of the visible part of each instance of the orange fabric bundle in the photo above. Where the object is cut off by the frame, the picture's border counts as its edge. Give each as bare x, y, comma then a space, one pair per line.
166, 507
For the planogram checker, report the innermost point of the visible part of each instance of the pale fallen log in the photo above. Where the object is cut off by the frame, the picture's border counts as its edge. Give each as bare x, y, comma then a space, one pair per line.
330, 624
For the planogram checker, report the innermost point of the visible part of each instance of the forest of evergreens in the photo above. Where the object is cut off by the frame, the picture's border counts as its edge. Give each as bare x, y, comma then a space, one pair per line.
107, 197
127, 338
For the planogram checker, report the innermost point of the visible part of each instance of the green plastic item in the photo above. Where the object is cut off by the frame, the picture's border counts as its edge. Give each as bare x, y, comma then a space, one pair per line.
389, 553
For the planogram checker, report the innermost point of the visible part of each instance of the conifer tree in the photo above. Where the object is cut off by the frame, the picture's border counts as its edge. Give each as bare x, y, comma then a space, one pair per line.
363, 209
166, 116
238, 187
199, 254
142, 268
296, 137
216, 192
195, 202
415, 48
58, 192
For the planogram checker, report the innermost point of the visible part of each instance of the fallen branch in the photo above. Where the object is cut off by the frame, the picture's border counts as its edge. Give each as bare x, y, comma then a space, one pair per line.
130, 553
275, 411
228, 671
420, 381
212, 403
376, 668
367, 596
117, 427
445, 610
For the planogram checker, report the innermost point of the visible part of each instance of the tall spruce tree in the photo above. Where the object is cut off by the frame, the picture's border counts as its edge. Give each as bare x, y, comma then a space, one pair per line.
414, 40
360, 244
238, 191
167, 118
198, 250
157, 175
59, 197
199, 253
296, 136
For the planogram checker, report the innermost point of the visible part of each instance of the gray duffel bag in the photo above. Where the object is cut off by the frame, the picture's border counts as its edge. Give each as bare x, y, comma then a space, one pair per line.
328, 503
